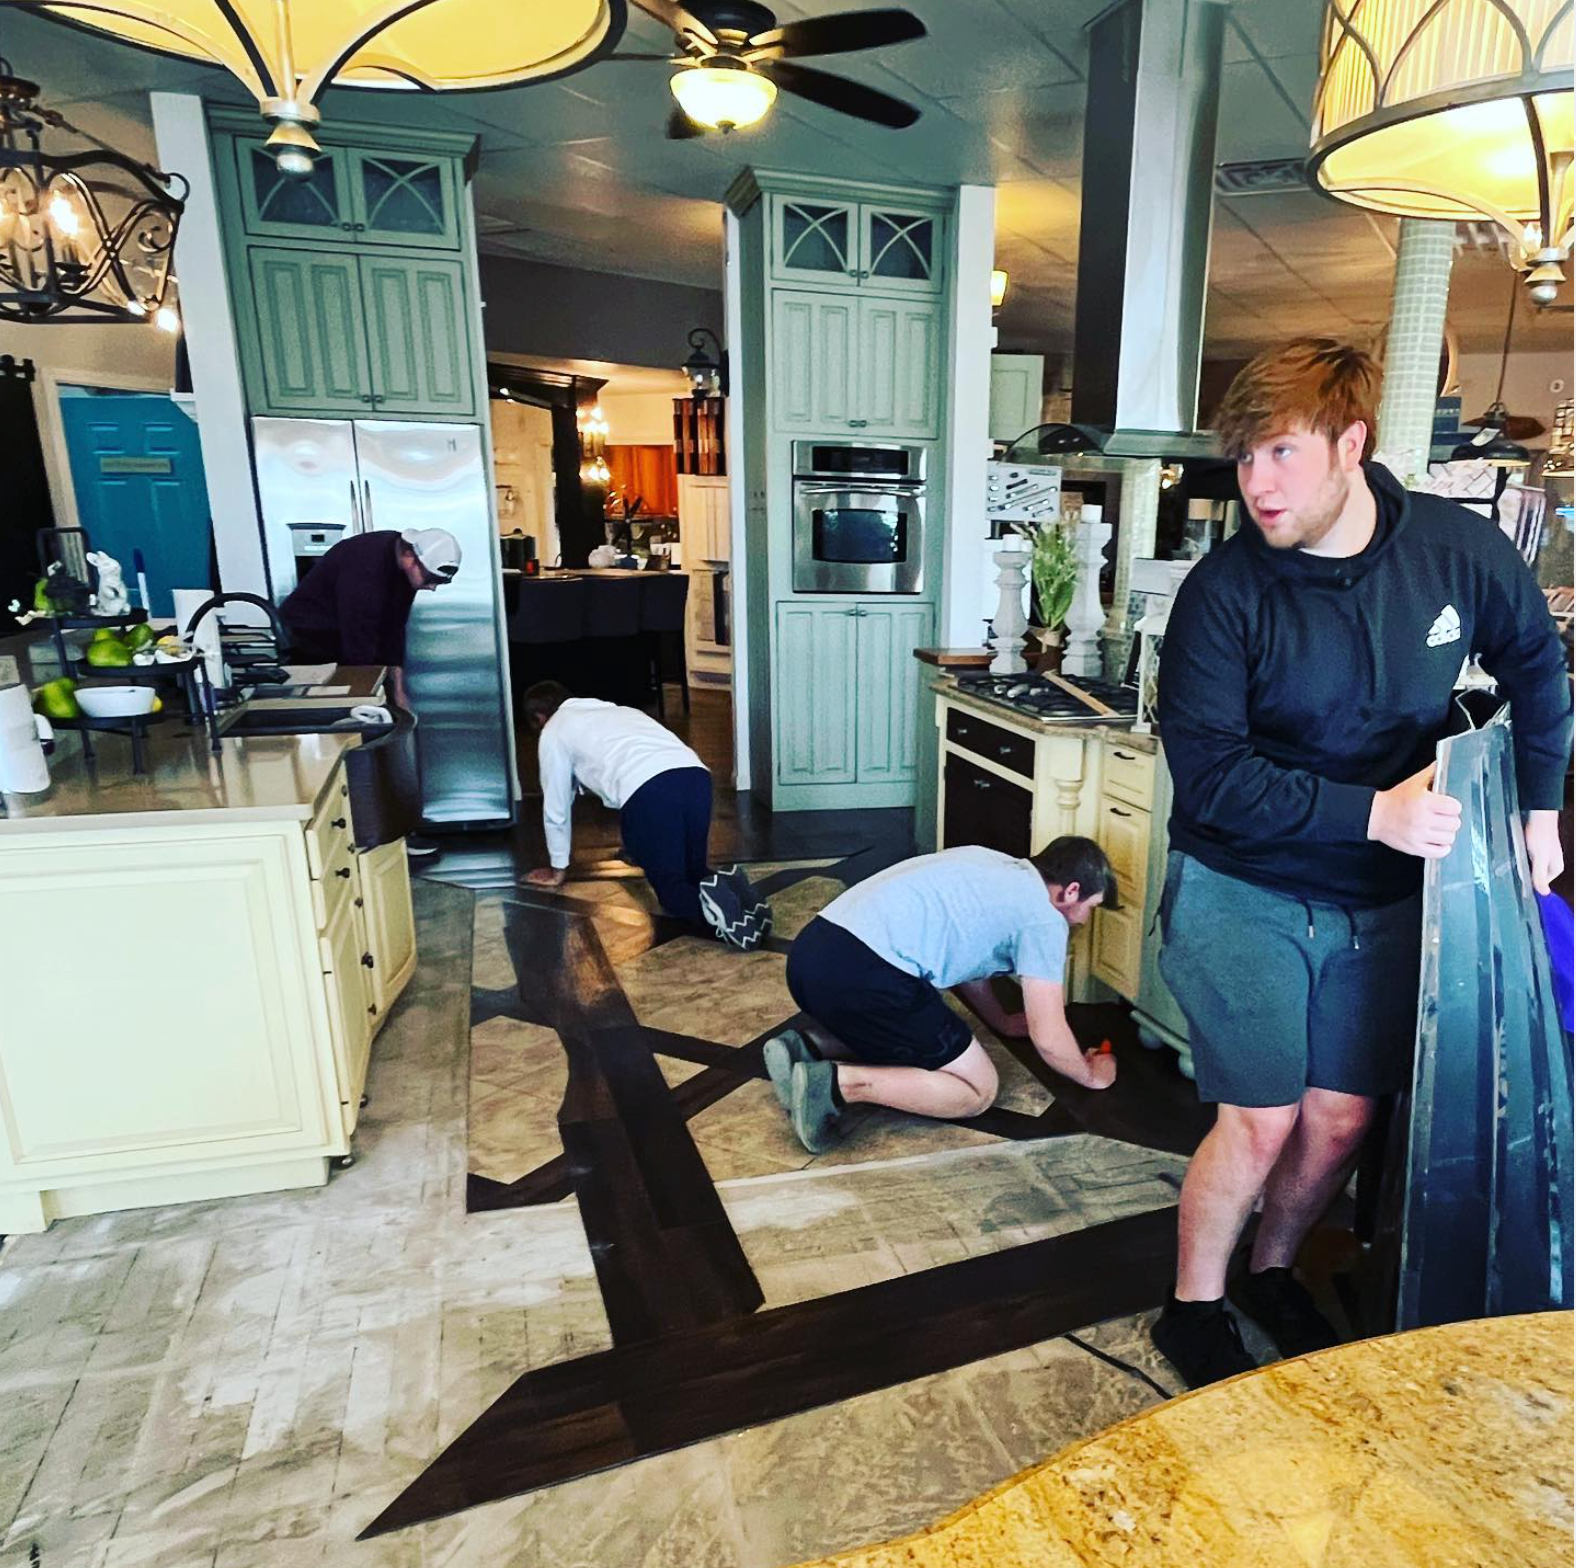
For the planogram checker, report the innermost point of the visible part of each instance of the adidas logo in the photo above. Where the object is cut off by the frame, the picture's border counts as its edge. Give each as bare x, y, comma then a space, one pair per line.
1446, 628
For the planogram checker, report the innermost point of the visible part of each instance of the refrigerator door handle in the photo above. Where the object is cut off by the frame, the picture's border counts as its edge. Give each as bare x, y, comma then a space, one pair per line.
355, 509
366, 512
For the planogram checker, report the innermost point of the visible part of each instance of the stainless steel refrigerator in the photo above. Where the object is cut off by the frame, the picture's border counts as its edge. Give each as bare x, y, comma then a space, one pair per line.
321, 480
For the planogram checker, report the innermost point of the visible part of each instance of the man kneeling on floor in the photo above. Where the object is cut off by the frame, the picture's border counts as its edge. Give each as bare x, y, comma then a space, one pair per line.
871, 967
662, 793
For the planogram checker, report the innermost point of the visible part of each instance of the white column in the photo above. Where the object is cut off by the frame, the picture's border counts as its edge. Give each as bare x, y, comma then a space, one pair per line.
182, 135
970, 338
1085, 619
1009, 622
1411, 357
738, 499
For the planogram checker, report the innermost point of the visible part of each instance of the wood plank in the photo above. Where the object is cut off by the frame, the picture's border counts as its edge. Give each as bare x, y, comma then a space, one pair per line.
595, 1412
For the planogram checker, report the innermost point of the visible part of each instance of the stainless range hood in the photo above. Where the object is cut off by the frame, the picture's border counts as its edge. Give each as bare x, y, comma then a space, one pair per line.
1143, 244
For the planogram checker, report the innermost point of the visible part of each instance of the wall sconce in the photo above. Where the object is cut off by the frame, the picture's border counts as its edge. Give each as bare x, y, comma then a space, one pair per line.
998, 288
707, 376
592, 426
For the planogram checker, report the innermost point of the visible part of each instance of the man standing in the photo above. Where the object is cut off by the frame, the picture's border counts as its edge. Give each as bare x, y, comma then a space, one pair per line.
871, 966
354, 605
1307, 676
662, 793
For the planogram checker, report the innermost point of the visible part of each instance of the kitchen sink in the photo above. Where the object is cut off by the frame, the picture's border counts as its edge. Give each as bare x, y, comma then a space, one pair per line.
295, 721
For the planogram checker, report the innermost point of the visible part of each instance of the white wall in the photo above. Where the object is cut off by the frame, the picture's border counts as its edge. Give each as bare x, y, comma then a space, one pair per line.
1529, 382
640, 418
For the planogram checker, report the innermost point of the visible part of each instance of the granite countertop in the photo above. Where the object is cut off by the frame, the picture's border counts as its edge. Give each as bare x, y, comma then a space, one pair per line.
1445, 1445
256, 778
947, 686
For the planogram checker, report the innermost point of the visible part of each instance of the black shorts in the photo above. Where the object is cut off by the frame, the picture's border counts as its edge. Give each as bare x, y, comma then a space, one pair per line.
884, 1016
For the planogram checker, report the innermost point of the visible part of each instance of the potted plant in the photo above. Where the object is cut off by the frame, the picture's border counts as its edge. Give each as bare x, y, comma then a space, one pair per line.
1053, 574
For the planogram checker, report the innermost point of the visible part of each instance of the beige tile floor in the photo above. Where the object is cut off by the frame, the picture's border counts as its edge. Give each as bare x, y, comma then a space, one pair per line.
244, 1384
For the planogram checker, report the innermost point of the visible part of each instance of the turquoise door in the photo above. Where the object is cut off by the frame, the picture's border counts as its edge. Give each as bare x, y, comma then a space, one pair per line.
136, 468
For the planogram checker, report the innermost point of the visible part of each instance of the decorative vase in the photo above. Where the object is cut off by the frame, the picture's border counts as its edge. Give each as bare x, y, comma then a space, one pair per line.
1050, 641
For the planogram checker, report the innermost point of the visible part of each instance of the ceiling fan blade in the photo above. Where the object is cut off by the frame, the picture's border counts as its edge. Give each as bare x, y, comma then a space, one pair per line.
840, 34
836, 92
682, 23
681, 128
666, 59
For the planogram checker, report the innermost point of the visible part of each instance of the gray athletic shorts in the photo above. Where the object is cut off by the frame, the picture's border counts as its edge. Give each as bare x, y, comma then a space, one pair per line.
1282, 995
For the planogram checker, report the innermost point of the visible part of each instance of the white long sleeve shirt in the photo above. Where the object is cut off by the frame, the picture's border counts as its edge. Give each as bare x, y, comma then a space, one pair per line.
600, 747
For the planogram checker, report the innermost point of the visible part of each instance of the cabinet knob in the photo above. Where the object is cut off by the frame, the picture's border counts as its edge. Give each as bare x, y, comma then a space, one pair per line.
338, 822
372, 1012
1004, 750
366, 397
347, 226
980, 783
344, 871
368, 962
360, 902
1126, 756
1116, 811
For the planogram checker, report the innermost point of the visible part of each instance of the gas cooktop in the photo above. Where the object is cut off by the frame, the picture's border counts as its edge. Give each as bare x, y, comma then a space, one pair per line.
1045, 699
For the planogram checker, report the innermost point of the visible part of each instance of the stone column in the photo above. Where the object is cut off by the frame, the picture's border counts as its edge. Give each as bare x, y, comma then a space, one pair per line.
1085, 619
1009, 622
1417, 331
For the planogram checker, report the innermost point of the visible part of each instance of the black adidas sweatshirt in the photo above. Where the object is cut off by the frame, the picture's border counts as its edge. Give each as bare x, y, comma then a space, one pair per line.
1294, 686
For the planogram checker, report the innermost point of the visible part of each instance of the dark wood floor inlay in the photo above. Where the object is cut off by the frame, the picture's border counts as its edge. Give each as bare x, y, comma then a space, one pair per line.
577, 1417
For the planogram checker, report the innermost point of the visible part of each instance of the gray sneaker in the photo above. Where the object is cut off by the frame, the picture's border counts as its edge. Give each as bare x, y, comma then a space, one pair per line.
816, 1120
779, 1054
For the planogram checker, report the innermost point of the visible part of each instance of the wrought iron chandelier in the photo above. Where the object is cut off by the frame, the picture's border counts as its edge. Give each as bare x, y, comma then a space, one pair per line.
85, 235
1453, 109
288, 52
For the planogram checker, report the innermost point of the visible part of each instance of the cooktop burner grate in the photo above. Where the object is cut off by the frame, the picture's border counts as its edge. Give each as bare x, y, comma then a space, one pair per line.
1046, 700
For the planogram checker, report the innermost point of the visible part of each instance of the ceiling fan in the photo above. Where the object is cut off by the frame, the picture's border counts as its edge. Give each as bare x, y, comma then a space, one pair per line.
733, 58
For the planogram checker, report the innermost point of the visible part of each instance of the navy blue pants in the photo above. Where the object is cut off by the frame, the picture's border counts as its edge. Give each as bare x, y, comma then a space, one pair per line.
665, 824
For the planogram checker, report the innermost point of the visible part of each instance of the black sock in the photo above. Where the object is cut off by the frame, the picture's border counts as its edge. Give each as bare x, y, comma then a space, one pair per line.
837, 1094
1195, 1308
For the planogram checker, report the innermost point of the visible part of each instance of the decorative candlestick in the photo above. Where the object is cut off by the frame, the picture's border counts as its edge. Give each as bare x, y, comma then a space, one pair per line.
1009, 623
1085, 619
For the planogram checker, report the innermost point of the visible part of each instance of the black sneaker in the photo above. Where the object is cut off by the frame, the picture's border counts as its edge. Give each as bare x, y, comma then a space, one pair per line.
1277, 1302
1202, 1341
757, 910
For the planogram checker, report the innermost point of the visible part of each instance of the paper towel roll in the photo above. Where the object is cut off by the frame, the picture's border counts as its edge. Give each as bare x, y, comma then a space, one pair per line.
22, 764
187, 602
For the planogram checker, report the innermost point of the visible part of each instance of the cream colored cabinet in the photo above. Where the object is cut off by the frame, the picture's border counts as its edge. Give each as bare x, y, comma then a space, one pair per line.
188, 1007
390, 925
1125, 827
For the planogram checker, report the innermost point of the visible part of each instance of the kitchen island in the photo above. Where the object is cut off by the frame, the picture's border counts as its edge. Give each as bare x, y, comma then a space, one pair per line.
197, 960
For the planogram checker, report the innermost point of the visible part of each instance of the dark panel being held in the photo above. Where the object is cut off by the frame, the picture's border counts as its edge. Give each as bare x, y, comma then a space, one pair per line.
1487, 1217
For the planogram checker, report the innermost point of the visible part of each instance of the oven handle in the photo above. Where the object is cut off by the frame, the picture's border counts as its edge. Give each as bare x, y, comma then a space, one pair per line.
878, 487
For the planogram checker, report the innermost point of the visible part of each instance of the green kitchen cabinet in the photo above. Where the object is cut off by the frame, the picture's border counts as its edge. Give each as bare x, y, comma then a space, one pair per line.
888, 679
405, 200
815, 345
415, 312
310, 332
843, 244
274, 205
816, 711
856, 364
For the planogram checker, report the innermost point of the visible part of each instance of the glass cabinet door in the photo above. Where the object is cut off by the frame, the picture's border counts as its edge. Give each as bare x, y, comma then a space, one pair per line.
406, 201
900, 251
286, 205
814, 240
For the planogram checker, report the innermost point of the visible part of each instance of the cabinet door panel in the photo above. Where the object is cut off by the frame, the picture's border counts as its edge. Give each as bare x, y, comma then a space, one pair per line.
888, 683
391, 924
1124, 836
287, 206
415, 321
405, 201
816, 700
899, 362
900, 252
1118, 949
983, 808
349, 1015
311, 333
122, 1065
814, 241
813, 346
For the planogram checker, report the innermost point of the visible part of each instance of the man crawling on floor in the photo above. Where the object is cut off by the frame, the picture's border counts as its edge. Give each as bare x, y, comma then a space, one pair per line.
871, 967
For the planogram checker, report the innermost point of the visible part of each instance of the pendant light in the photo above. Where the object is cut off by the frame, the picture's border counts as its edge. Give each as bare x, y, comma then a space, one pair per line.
287, 52
1453, 109
86, 234
1492, 443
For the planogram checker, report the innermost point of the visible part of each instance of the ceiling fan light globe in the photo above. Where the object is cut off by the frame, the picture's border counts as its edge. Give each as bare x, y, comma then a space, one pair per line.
723, 97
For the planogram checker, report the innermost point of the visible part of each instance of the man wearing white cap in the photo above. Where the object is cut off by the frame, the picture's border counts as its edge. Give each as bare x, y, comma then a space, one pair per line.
354, 605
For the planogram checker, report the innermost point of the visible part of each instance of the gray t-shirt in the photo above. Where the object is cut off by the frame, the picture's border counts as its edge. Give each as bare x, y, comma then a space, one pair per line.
960, 915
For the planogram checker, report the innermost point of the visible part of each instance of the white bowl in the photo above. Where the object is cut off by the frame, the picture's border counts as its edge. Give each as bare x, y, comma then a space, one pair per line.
114, 702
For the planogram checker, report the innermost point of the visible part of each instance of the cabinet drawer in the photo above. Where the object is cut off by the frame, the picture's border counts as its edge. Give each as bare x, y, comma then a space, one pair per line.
985, 739
338, 882
983, 808
1129, 774
1124, 836
329, 828
1119, 949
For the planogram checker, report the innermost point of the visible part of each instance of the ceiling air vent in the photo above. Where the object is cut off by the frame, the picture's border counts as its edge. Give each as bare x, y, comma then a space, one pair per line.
1265, 177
